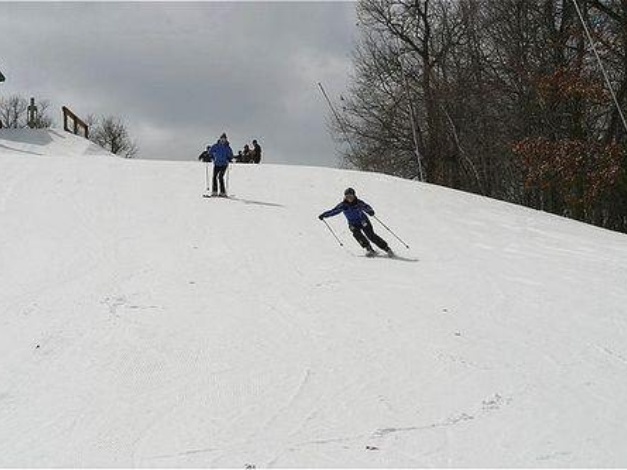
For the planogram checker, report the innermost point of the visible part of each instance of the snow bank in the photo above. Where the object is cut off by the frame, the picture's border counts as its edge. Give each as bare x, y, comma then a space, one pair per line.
46, 142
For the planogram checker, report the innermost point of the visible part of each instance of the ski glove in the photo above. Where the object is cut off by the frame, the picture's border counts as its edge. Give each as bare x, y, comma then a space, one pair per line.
321, 217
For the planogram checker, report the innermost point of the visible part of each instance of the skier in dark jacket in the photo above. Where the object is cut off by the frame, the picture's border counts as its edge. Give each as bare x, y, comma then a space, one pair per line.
247, 155
359, 224
222, 155
205, 156
256, 152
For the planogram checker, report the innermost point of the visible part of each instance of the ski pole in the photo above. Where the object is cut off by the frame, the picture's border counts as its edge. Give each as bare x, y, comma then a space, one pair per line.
228, 172
331, 230
389, 230
207, 175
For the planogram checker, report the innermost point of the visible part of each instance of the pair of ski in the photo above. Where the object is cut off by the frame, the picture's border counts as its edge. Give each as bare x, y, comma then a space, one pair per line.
378, 254
375, 253
218, 196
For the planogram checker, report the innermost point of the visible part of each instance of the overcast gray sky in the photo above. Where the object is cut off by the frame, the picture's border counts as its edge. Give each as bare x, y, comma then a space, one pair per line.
181, 73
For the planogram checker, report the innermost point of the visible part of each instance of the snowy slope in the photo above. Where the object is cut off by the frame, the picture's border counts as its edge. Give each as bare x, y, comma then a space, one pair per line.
45, 143
142, 325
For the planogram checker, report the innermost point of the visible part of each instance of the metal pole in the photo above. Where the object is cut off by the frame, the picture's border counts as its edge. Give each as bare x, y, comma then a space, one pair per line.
389, 230
331, 230
412, 118
337, 118
228, 172
596, 54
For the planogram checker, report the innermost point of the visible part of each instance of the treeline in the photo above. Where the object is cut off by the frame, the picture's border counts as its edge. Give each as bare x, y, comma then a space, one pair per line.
503, 98
110, 132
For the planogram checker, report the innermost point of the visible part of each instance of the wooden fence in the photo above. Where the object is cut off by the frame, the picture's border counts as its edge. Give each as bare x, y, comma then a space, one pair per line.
77, 123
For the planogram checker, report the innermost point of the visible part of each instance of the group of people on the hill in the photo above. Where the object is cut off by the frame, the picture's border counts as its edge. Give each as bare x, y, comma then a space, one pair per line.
355, 210
221, 155
249, 155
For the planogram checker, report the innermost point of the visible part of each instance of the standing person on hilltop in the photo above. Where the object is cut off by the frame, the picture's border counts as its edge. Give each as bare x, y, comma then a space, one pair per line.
205, 156
359, 224
247, 155
256, 152
222, 155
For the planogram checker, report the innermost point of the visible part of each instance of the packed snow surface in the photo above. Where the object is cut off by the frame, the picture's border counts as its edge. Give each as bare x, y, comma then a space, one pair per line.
142, 325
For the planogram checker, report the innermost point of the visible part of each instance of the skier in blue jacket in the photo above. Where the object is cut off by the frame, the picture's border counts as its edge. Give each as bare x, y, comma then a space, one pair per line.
222, 155
356, 212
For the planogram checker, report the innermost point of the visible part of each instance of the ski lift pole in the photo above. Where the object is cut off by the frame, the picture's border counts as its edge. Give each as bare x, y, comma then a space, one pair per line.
596, 54
332, 232
412, 119
390, 230
337, 118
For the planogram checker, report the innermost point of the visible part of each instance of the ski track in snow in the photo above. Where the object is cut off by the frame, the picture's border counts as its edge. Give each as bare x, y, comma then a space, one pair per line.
142, 325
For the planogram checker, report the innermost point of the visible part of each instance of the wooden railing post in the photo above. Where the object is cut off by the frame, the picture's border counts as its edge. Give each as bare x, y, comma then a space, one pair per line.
77, 123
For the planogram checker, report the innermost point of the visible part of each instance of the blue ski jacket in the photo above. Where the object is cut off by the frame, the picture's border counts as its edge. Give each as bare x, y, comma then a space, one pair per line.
221, 154
355, 212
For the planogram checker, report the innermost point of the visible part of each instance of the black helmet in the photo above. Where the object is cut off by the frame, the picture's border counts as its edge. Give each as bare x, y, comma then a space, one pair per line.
349, 191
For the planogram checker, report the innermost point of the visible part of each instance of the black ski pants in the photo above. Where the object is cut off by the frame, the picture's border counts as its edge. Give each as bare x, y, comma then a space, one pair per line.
218, 175
365, 232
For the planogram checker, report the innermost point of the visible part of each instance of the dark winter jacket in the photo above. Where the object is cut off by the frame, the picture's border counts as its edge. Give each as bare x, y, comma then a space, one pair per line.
256, 153
221, 153
355, 212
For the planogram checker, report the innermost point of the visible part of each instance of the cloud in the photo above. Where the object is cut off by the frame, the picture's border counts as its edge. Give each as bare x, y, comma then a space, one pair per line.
189, 70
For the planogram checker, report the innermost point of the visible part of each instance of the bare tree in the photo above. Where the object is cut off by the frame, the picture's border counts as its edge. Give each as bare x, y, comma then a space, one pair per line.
14, 113
503, 98
111, 133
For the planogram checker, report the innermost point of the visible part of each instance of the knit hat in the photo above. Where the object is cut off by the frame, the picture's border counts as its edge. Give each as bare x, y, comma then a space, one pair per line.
349, 191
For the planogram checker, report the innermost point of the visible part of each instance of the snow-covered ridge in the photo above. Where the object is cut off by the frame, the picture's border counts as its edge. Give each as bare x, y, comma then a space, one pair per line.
46, 142
144, 325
